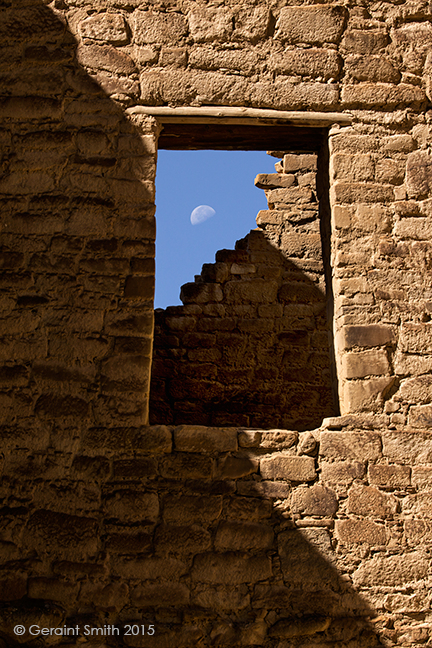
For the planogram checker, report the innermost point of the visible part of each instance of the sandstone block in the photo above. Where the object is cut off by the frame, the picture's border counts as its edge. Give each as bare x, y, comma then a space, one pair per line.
311, 24
372, 68
419, 174
257, 291
394, 571
67, 535
221, 597
416, 390
376, 95
420, 416
304, 161
286, 95
231, 568
188, 438
154, 568
418, 531
311, 62
189, 509
173, 56
416, 338
362, 41
294, 627
160, 28
200, 293
236, 466
355, 192
52, 589
105, 57
251, 24
264, 489
160, 595
274, 181
107, 27
352, 532
422, 475
360, 396
389, 475
417, 34
278, 439
366, 335
366, 363
306, 558
190, 539
284, 197
356, 168
341, 472
108, 597
206, 58
153, 439
139, 287
243, 536
210, 24
418, 505
187, 466
249, 438
357, 446
409, 447
316, 500
368, 500
288, 467
133, 506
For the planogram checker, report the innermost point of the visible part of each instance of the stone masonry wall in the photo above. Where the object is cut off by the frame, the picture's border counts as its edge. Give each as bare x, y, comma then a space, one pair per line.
221, 536
251, 345
77, 233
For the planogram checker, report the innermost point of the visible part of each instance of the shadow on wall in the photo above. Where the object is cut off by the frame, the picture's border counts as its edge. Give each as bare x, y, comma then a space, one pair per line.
250, 346
77, 233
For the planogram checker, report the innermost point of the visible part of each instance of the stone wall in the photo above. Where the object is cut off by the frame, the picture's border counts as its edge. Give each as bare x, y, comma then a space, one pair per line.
221, 537
77, 230
251, 345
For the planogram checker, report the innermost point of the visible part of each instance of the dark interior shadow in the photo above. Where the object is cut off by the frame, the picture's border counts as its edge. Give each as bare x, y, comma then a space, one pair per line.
250, 346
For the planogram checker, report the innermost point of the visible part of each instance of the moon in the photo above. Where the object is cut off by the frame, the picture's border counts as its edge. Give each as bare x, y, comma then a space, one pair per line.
201, 214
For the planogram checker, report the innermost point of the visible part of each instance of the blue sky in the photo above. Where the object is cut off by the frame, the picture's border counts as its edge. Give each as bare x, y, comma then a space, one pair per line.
223, 180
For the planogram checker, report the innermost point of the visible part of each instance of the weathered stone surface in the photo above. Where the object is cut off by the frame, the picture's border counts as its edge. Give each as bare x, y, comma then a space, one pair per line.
210, 24
364, 395
392, 570
288, 467
389, 475
310, 24
133, 506
419, 174
352, 532
160, 595
420, 416
366, 335
316, 500
341, 472
188, 438
366, 363
243, 536
159, 28
187, 509
368, 500
357, 446
311, 62
235, 568
359, 41
106, 27
372, 68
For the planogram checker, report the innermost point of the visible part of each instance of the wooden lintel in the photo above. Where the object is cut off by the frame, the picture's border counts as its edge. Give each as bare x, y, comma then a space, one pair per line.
258, 116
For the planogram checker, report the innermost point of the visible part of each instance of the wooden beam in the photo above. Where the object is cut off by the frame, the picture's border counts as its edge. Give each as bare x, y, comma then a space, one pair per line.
190, 114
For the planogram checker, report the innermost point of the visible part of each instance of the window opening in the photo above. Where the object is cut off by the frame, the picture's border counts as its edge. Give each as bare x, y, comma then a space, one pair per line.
251, 345
185, 180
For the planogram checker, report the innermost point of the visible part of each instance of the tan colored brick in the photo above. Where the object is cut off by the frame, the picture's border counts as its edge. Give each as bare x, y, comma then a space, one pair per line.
210, 24
310, 24
235, 568
358, 446
368, 500
393, 571
389, 475
288, 467
352, 532
341, 472
243, 536
316, 500
188, 438
366, 363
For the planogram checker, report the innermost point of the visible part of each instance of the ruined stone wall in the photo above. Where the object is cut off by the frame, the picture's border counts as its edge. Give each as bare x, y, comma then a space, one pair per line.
222, 536
251, 345
77, 235
228, 537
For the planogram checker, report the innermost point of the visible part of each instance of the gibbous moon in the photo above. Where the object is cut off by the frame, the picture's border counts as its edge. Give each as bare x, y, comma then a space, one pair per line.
201, 214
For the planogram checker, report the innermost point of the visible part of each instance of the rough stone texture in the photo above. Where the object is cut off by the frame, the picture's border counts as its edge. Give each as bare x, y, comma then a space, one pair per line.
242, 536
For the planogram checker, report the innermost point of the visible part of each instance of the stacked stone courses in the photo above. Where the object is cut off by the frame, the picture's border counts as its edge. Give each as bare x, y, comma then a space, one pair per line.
220, 526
